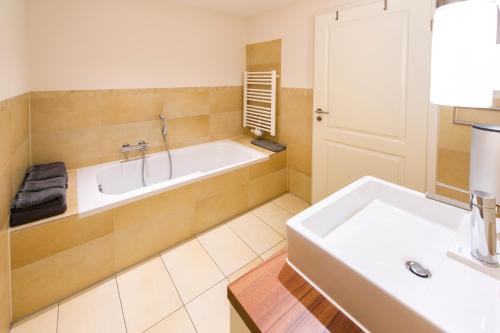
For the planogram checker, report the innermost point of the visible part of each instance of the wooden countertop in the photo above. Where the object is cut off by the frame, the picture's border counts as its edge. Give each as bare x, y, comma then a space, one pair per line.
274, 298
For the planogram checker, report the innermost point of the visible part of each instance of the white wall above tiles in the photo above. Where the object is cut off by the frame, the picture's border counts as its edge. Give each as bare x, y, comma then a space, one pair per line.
94, 44
13, 77
237, 7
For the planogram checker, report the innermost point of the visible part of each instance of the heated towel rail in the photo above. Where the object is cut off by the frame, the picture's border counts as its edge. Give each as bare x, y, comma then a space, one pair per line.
259, 109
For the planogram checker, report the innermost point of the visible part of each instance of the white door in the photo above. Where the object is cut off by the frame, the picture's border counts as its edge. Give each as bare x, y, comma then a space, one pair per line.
372, 68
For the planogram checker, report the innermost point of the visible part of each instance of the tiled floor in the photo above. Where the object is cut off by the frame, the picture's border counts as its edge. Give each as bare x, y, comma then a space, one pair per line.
183, 289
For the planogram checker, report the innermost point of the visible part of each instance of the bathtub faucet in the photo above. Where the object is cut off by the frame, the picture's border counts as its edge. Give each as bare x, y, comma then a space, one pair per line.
142, 146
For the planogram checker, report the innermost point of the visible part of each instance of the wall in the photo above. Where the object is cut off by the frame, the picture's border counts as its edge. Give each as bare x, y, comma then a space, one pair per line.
88, 127
127, 44
14, 124
294, 26
103, 80
454, 148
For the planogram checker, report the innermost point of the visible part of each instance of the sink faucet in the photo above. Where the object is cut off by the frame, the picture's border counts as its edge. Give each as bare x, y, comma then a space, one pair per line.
484, 193
483, 228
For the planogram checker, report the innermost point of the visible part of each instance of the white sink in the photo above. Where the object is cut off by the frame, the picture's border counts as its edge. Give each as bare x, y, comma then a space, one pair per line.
353, 247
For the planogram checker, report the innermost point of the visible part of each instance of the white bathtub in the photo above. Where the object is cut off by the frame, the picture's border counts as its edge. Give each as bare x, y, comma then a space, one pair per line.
121, 183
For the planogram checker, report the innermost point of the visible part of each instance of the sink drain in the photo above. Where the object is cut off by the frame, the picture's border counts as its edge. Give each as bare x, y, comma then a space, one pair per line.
418, 269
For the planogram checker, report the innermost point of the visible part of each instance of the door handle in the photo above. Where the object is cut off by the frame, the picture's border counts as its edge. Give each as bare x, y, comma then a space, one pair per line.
320, 111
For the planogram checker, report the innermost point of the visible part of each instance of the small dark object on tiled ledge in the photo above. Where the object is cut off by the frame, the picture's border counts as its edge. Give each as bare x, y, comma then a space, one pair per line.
42, 194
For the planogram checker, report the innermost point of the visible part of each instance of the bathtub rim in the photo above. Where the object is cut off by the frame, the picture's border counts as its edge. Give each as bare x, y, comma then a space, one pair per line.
160, 187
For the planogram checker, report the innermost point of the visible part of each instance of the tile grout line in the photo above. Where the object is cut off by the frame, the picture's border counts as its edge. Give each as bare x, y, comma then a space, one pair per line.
178, 294
258, 255
270, 226
121, 304
57, 320
237, 269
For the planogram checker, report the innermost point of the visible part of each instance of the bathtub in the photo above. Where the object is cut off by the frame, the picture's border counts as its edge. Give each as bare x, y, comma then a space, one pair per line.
104, 186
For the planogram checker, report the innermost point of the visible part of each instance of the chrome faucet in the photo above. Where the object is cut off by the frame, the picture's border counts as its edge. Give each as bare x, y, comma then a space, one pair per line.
484, 193
484, 228
142, 146
483, 210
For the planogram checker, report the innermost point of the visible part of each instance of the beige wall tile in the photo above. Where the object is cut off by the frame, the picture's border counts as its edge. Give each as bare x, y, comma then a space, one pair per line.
77, 148
20, 162
188, 129
127, 106
267, 187
19, 121
4, 277
226, 124
186, 102
276, 162
226, 99
264, 53
215, 209
32, 244
88, 127
299, 184
453, 168
49, 280
6, 148
63, 111
5, 192
218, 184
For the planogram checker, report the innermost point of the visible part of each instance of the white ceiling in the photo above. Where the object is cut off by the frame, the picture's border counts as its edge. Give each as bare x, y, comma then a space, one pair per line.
237, 7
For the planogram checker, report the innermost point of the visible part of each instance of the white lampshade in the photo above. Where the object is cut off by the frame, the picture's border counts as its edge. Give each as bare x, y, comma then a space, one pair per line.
464, 38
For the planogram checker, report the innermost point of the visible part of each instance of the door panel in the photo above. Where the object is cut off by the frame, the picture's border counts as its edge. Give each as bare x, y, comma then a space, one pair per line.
372, 76
350, 163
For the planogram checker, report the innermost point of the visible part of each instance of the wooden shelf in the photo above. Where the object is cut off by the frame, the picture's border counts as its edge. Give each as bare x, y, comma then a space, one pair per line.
274, 298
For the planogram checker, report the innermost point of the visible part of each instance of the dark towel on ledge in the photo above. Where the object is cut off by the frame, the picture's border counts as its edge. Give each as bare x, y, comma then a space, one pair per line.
47, 171
28, 200
20, 217
40, 185
33, 206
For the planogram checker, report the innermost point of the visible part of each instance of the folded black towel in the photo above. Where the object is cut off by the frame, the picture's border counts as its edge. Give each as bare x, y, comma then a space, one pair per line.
23, 216
40, 185
42, 167
30, 200
47, 171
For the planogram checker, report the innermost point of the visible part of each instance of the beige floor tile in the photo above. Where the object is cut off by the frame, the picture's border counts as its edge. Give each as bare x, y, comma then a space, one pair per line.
274, 216
210, 311
226, 249
291, 203
255, 233
268, 254
191, 269
95, 310
245, 269
42, 322
177, 322
148, 295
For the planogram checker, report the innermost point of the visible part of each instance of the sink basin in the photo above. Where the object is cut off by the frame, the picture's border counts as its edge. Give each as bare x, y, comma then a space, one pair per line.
354, 247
